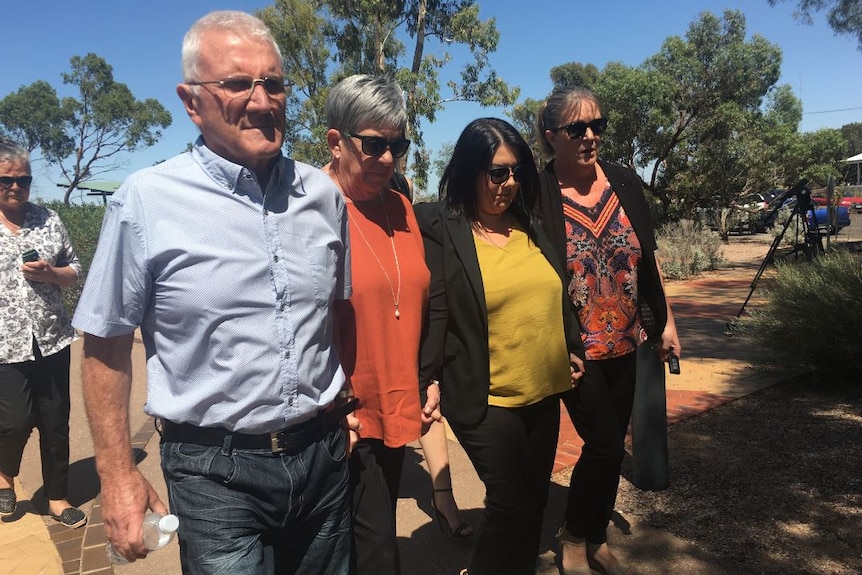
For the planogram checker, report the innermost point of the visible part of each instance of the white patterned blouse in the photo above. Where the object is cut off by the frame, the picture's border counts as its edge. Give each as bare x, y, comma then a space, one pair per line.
30, 309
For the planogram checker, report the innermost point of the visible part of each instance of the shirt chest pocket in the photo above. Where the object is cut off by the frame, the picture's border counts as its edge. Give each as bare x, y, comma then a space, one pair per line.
321, 268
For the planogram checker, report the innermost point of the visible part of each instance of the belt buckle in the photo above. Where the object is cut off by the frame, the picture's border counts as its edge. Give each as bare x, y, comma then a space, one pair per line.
275, 444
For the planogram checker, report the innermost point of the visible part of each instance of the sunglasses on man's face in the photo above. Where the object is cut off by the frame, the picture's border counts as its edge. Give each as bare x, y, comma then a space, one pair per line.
376, 146
579, 129
500, 174
23, 182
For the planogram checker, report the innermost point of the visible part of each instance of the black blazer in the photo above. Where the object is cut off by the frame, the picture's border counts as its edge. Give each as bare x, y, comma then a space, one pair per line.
454, 349
627, 186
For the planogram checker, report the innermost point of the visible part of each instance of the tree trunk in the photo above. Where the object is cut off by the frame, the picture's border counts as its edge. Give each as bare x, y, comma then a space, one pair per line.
420, 38
418, 51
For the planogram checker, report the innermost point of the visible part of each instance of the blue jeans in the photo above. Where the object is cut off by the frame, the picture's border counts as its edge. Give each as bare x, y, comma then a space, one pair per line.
250, 512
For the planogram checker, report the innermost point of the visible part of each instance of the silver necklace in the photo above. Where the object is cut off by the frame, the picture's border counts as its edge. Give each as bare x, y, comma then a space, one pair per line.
396, 297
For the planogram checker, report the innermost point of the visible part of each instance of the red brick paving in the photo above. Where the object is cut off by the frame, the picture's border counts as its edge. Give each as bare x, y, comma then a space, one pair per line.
681, 405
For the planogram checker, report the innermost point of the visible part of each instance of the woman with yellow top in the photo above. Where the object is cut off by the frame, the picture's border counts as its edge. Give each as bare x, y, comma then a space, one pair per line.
502, 341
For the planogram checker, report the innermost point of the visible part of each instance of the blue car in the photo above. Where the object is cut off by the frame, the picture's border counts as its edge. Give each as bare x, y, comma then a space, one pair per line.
819, 216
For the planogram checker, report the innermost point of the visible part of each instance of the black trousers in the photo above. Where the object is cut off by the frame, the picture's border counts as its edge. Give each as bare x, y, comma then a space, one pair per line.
36, 394
600, 408
513, 452
375, 473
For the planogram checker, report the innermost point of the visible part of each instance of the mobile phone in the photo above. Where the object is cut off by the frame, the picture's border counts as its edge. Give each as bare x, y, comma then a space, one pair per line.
30, 256
673, 363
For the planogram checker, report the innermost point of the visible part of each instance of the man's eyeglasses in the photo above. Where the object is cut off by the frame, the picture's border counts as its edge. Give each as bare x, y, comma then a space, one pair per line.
579, 129
243, 86
500, 174
6, 182
376, 146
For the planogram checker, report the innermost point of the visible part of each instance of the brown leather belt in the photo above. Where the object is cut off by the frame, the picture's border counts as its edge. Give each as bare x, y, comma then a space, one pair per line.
294, 438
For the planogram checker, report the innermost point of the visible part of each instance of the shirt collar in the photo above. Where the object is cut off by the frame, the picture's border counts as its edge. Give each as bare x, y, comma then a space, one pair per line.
228, 174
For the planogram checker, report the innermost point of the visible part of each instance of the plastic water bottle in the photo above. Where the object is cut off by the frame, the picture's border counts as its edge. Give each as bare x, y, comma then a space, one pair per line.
158, 531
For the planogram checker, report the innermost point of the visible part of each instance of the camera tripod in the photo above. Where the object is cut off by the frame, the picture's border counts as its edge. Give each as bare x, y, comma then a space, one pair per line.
811, 246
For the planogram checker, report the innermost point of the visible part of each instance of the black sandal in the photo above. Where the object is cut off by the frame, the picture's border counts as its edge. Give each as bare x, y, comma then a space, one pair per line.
462, 530
71, 517
8, 502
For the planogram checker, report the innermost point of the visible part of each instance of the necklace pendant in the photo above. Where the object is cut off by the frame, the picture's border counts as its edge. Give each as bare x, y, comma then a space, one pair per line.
397, 314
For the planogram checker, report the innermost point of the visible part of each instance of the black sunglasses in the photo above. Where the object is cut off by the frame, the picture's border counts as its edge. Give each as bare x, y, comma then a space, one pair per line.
500, 174
22, 181
579, 129
243, 86
376, 146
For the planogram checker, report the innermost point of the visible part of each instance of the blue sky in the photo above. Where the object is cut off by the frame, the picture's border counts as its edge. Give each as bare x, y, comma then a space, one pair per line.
141, 40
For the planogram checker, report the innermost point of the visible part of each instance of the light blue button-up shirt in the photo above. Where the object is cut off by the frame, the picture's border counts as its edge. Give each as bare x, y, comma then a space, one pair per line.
232, 289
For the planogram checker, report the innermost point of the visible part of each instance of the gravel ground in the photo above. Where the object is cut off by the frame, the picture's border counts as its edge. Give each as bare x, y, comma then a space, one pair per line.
768, 484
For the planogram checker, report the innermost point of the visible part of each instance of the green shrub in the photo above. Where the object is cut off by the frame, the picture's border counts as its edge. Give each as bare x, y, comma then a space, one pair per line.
687, 248
812, 318
84, 221
741, 220
794, 234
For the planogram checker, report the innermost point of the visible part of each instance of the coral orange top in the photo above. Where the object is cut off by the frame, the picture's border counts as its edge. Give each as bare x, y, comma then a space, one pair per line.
379, 351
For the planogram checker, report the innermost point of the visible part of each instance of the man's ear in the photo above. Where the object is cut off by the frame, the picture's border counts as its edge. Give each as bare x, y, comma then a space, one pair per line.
190, 102
333, 140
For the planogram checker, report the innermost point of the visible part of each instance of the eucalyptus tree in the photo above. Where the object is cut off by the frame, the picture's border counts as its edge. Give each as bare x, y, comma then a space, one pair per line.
83, 136
844, 16
411, 40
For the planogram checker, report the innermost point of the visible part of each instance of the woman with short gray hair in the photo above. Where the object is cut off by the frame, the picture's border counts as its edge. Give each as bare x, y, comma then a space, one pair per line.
379, 327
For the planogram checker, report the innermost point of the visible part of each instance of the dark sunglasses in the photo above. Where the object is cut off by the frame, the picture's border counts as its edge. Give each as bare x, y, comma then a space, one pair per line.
500, 174
243, 86
376, 146
579, 129
22, 181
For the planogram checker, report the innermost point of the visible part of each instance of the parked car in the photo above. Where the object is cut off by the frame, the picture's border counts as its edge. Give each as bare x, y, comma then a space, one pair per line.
850, 197
778, 200
819, 200
819, 216
751, 211
852, 203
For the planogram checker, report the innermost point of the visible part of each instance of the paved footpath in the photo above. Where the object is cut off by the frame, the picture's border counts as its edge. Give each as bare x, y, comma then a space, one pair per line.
713, 373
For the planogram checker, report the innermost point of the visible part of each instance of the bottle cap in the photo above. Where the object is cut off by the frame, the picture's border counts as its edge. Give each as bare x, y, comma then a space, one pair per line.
169, 523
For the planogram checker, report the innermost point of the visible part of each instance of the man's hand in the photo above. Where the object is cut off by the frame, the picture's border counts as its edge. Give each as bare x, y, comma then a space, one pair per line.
126, 497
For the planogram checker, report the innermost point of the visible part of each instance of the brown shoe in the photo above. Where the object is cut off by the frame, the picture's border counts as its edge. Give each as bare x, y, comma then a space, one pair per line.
604, 562
580, 545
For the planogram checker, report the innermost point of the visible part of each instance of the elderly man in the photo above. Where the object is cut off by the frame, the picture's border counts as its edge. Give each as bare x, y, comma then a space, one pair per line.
228, 258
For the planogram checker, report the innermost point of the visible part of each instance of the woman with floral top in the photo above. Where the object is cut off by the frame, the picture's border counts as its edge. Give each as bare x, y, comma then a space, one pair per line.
36, 260
598, 220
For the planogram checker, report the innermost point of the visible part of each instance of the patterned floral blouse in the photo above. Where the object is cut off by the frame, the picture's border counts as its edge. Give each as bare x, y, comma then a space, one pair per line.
33, 309
603, 253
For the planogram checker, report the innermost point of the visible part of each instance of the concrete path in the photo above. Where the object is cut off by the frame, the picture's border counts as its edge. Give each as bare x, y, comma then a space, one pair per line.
712, 374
